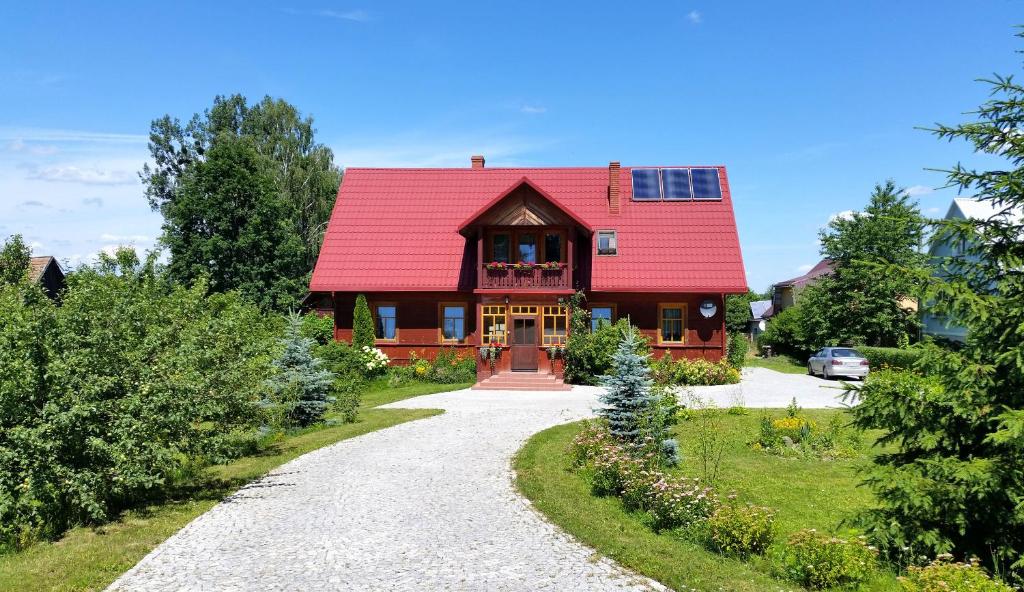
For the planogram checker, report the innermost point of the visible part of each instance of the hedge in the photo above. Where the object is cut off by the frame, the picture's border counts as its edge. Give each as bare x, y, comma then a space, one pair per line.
890, 357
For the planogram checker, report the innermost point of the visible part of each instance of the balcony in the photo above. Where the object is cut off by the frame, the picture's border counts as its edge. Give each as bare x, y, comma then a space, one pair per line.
512, 277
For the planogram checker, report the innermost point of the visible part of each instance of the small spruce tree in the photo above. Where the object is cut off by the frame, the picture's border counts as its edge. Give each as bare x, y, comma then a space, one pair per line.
628, 397
300, 386
363, 333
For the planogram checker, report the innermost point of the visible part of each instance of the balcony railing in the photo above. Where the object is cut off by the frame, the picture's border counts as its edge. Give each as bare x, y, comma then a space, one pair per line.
535, 278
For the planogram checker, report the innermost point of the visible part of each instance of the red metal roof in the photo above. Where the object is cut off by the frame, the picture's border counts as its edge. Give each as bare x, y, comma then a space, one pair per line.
398, 229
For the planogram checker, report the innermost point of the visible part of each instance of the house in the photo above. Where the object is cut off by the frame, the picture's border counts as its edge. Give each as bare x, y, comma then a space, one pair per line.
760, 311
784, 294
477, 256
47, 273
962, 208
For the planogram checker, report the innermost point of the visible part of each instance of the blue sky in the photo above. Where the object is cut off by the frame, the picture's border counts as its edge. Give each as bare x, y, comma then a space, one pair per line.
808, 104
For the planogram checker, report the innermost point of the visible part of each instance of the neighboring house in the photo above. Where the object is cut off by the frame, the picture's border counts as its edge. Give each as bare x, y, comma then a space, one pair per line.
760, 311
962, 208
784, 294
468, 257
48, 274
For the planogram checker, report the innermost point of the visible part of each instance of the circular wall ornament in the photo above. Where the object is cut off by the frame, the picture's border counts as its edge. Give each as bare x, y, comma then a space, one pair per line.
708, 308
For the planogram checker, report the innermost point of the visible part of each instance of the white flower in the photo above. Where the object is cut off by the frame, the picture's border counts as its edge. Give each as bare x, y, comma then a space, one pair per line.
369, 365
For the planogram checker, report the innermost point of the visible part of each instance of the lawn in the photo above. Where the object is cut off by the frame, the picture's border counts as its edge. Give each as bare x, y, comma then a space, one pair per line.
778, 363
807, 493
92, 558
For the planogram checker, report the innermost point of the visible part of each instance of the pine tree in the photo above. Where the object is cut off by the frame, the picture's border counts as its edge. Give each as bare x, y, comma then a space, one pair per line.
363, 333
954, 481
300, 386
627, 395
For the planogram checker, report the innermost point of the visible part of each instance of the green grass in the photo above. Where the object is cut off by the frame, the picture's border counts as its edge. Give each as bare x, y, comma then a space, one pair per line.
806, 493
778, 363
91, 558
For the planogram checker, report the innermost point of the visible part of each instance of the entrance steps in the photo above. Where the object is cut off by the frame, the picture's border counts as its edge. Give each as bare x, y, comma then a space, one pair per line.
522, 381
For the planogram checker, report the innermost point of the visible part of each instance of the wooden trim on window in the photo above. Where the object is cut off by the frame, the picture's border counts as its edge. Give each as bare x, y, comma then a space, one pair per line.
597, 242
489, 256
373, 309
682, 320
495, 311
613, 306
554, 312
440, 322
538, 235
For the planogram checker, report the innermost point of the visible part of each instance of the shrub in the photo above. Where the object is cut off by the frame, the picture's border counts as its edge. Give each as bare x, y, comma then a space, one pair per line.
363, 332
785, 334
678, 501
797, 429
588, 443
346, 391
817, 560
319, 328
736, 350
300, 385
892, 358
611, 468
699, 372
943, 575
451, 367
741, 530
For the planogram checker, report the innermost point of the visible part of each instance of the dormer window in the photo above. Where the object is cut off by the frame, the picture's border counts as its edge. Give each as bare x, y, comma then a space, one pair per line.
607, 242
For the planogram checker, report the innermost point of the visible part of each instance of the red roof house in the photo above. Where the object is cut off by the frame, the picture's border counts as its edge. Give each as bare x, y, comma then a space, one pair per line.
468, 257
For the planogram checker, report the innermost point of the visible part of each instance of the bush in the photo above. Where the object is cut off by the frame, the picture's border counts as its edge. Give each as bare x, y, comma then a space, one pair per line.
319, 328
588, 355
105, 399
892, 358
817, 560
678, 501
611, 469
741, 530
589, 443
736, 350
699, 372
943, 575
451, 367
786, 335
299, 387
364, 334
346, 392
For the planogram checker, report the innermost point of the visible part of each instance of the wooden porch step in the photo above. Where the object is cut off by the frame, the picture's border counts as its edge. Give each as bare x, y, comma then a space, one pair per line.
522, 381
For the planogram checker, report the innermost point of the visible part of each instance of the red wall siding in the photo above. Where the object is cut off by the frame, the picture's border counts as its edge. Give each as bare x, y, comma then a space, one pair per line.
702, 337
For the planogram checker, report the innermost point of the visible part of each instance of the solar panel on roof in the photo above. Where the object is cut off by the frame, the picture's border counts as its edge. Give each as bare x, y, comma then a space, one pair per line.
646, 184
705, 184
676, 183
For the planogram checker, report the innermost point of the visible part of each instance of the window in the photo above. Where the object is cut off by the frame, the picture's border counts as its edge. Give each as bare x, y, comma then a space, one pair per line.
601, 315
553, 247
607, 243
387, 326
453, 322
524, 310
554, 325
493, 325
500, 248
671, 318
528, 248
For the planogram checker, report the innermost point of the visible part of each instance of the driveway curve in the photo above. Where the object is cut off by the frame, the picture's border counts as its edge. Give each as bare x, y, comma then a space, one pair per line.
425, 505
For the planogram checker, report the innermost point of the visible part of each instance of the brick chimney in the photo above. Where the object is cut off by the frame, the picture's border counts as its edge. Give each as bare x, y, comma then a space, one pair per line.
477, 160
613, 187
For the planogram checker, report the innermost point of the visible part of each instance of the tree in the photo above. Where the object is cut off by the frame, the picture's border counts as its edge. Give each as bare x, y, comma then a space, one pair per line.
737, 310
14, 260
233, 163
363, 332
627, 397
300, 385
862, 302
954, 482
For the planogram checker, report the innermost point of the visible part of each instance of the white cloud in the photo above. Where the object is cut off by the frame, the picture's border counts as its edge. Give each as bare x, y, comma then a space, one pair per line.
360, 16
84, 175
533, 109
805, 267
96, 202
918, 190
844, 215
695, 17
19, 145
125, 237
58, 135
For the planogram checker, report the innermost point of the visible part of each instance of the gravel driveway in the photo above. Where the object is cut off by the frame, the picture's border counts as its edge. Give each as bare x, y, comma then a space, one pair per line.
426, 505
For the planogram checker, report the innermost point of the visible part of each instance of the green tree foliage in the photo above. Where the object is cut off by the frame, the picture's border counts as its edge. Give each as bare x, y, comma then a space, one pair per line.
954, 482
319, 328
363, 332
860, 302
245, 192
736, 349
786, 334
14, 260
627, 396
107, 397
299, 386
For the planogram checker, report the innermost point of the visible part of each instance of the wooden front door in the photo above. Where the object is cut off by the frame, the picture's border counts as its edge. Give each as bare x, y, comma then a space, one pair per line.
524, 344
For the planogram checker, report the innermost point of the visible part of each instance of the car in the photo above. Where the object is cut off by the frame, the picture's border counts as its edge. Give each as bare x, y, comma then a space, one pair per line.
831, 362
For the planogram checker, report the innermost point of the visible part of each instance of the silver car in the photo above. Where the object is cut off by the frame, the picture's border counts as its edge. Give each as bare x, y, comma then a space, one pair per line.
831, 362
